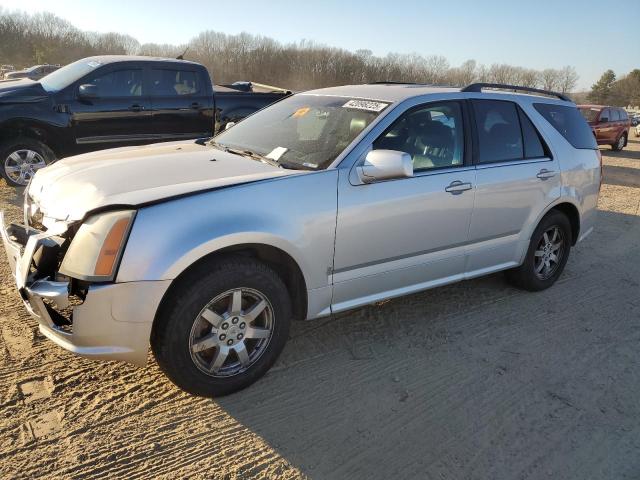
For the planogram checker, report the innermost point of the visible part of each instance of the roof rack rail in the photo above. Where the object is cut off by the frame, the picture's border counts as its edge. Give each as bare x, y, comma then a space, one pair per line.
392, 82
477, 87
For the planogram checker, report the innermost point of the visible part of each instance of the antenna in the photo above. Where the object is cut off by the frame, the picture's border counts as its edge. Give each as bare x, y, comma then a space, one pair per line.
181, 56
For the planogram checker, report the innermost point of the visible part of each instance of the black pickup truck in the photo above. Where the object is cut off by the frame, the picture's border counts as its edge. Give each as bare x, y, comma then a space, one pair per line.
112, 101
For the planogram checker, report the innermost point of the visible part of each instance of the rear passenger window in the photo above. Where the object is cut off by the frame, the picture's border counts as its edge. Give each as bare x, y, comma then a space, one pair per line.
533, 147
569, 123
170, 83
499, 135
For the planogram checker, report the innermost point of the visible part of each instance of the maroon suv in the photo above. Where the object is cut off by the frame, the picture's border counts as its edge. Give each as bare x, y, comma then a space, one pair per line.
610, 125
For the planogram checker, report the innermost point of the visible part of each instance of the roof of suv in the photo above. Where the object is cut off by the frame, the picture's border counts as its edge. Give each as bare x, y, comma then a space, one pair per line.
390, 92
104, 59
599, 107
396, 92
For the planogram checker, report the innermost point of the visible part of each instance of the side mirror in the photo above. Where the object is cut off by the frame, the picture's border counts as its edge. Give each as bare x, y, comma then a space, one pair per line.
229, 125
604, 120
88, 91
385, 165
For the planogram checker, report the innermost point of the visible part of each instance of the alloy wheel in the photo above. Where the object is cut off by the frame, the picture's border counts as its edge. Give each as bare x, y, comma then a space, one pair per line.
549, 253
21, 165
231, 332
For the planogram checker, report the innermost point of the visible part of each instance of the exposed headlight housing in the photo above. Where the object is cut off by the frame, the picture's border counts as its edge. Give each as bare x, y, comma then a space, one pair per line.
97, 247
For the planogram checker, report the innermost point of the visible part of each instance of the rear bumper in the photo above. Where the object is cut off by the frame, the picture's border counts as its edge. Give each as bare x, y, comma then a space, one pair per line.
114, 321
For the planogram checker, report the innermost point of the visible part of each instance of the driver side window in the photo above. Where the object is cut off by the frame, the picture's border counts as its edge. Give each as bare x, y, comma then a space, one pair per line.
433, 136
118, 83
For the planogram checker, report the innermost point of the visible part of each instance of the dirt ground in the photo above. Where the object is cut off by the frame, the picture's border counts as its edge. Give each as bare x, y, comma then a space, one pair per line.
471, 381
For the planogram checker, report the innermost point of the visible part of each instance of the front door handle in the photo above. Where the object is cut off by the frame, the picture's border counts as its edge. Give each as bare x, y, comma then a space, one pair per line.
136, 108
195, 105
457, 187
544, 174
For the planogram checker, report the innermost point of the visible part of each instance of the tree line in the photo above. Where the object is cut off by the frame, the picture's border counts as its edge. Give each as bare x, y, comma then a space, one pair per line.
45, 38
609, 90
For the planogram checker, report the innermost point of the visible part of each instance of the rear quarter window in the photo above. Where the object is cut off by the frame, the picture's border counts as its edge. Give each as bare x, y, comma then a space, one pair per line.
174, 82
569, 123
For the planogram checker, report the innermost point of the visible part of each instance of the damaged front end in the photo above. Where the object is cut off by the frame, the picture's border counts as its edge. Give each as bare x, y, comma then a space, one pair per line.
35, 253
65, 273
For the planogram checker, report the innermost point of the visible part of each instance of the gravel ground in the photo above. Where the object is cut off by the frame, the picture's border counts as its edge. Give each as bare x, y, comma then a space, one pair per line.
474, 380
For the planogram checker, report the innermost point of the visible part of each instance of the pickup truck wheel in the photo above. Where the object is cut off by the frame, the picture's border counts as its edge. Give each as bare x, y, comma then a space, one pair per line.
222, 327
620, 144
21, 158
547, 254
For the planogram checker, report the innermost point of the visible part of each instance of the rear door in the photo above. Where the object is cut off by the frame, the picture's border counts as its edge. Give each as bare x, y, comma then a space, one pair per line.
517, 178
605, 127
120, 114
616, 123
182, 102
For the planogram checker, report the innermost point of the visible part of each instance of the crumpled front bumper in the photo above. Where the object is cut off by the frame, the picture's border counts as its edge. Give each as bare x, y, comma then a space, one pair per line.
114, 321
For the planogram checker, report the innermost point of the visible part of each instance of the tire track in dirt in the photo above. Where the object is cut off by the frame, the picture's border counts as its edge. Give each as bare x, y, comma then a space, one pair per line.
474, 380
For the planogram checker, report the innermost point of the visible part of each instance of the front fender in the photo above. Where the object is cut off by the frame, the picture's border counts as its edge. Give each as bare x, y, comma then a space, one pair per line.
296, 214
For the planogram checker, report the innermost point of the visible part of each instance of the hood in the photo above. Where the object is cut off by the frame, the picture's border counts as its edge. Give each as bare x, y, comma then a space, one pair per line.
69, 188
22, 91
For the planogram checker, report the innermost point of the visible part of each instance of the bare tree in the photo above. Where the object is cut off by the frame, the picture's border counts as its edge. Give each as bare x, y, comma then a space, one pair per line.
28, 39
568, 79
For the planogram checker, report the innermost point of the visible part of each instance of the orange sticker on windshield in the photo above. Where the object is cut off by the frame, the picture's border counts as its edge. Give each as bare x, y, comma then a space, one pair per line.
301, 112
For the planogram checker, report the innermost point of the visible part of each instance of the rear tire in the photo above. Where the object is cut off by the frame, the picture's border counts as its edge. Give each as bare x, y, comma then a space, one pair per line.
21, 157
547, 254
620, 143
204, 338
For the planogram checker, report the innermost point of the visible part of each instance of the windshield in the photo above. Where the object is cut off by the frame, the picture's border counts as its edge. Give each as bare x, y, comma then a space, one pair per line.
590, 114
303, 131
65, 76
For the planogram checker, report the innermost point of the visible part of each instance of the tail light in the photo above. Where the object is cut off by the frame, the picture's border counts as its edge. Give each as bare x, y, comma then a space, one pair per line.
601, 172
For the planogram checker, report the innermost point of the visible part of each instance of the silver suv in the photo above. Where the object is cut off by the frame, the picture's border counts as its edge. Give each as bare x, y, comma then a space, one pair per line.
325, 201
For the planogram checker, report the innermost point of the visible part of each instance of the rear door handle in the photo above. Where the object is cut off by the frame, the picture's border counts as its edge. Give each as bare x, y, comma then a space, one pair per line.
195, 105
136, 108
544, 174
457, 187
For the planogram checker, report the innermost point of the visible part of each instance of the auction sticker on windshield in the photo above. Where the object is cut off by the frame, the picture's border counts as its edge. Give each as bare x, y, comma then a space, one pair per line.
367, 105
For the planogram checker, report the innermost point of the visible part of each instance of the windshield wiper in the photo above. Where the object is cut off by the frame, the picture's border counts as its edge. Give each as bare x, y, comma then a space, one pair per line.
254, 156
247, 153
261, 158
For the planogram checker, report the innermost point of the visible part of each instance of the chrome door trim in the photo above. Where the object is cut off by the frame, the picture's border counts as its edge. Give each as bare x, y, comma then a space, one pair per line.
140, 138
482, 166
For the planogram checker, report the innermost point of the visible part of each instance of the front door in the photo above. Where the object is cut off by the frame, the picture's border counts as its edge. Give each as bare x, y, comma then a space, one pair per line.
119, 114
404, 235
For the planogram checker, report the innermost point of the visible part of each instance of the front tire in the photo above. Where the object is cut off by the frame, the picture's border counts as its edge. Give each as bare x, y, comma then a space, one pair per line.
222, 327
547, 254
21, 158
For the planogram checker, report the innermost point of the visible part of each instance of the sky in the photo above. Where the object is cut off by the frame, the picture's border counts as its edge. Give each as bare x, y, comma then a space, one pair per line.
590, 35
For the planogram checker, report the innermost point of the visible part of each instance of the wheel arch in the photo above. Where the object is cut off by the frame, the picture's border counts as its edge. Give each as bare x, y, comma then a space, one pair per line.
571, 211
277, 259
30, 129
